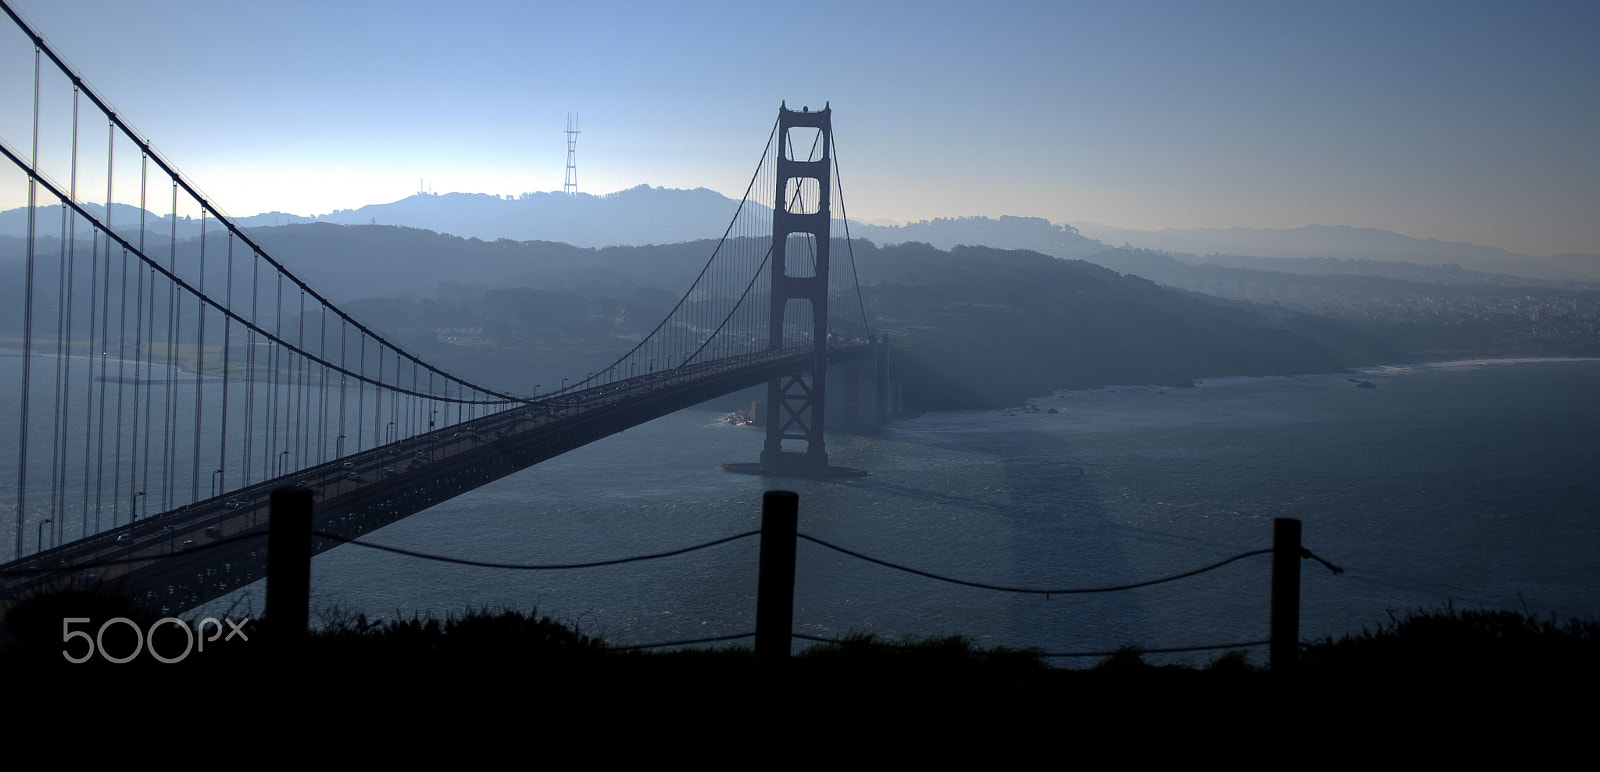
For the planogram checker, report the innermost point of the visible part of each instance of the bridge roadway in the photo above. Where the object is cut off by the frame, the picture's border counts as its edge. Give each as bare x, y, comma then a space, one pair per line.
192, 555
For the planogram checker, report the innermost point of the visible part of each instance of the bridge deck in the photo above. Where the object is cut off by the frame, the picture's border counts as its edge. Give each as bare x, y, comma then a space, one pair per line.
183, 558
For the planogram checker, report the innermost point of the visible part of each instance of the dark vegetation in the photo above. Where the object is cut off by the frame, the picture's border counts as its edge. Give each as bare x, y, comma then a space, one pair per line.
465, 670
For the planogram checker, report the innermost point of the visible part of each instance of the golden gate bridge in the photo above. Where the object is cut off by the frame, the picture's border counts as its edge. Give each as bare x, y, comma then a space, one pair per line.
165, 372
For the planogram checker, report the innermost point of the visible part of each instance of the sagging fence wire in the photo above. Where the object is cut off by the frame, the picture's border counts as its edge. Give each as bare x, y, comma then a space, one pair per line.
1304, 554
547, 567
736, 537
1042, 654
1029, 590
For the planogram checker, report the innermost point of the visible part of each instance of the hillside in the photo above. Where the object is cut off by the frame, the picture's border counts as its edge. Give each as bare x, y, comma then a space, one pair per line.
975, 326
984, 327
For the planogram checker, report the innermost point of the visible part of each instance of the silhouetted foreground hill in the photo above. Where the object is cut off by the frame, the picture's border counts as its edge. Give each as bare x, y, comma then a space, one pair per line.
487, 670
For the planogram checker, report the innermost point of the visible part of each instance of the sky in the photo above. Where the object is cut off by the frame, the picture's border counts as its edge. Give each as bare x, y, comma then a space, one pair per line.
1460, 121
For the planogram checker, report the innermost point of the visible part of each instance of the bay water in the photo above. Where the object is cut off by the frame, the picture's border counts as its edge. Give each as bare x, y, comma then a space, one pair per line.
1472, 483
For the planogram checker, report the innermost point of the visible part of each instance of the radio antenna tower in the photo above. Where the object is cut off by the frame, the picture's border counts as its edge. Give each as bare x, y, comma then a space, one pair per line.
571, 186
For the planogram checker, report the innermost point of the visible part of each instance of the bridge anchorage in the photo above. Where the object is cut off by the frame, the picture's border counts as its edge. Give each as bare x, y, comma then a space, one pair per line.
796, 403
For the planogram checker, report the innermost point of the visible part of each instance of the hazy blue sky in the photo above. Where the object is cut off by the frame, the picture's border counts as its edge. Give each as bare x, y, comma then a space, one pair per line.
1462, 121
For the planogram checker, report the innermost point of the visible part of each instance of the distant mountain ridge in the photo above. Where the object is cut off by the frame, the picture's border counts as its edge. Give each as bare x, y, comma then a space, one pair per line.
646, 215
1347, 242
636, 216
1033, 233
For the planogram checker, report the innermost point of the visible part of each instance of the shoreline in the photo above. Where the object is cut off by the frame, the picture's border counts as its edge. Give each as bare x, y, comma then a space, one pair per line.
1222, 380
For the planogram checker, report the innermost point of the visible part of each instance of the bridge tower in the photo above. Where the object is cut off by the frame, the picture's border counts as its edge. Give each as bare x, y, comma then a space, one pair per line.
796, 402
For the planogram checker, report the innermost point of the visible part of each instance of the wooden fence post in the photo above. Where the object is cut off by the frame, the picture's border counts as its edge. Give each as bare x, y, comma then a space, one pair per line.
1284, 650
780, 517
288, 565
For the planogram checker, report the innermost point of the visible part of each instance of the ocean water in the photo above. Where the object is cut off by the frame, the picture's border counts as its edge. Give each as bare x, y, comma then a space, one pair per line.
1471, 483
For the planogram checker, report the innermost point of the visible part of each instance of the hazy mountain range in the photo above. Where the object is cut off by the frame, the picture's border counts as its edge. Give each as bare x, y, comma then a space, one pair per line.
646, 215
1343, 242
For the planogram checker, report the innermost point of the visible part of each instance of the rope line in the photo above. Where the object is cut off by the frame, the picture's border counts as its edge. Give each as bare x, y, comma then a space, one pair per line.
1031, 591
1042, 654
715, 639
1305, 553
524, 567
1167, 650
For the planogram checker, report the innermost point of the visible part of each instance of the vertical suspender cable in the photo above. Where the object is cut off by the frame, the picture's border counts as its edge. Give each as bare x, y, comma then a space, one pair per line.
300, 404
322, 397
275, 373
69, 227
105, 345
227, 367
849, 246
27, 316
170, 380
303, 426
141, 379
199, 364
90, 403
343, 365
250, 373
122, 353
361, 396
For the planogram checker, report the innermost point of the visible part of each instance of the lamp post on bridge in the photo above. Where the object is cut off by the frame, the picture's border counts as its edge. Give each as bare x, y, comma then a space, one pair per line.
216, 483
282, 457
133, 508
338, 446
40, 540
